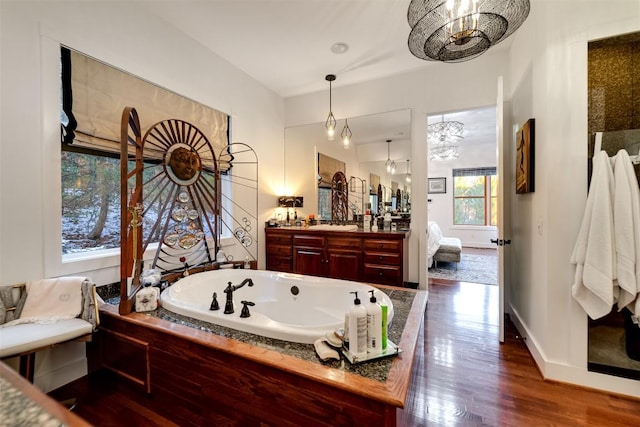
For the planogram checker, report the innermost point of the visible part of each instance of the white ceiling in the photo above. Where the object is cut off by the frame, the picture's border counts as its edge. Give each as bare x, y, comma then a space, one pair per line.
286, 44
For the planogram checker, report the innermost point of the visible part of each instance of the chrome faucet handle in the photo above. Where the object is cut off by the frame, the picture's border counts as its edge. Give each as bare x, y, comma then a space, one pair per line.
245, 308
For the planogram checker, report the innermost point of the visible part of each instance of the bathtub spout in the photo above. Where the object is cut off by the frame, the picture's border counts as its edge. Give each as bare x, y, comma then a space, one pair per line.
229, 290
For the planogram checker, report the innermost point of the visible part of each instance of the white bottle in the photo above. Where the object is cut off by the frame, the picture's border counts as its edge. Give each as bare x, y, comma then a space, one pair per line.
358, 328
374, 325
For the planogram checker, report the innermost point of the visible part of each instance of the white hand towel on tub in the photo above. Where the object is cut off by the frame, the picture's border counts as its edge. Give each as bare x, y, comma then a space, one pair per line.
50, 300
594, 252
626, 220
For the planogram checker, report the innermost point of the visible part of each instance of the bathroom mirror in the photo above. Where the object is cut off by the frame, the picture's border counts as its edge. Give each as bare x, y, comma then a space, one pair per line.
367, 154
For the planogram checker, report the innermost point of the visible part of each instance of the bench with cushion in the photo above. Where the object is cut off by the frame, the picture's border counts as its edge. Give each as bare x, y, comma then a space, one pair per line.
24, 330
449, 250
440, 248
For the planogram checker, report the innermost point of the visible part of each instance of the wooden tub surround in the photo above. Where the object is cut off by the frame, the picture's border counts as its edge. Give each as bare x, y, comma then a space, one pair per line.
196, 377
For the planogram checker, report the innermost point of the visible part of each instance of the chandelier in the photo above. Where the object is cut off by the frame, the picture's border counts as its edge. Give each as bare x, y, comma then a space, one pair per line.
445, 133
390, 164
459, 30
442, 137
444, 152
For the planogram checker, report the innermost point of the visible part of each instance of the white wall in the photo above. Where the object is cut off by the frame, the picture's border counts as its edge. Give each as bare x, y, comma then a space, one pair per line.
440, 207
120, 35
435, 88
549, 83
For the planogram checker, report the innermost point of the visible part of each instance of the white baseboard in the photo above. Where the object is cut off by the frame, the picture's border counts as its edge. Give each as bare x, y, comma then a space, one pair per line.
479, 245
575, 375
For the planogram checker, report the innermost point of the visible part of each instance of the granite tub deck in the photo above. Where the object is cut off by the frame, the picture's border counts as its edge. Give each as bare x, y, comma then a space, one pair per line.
22, 404
205, 373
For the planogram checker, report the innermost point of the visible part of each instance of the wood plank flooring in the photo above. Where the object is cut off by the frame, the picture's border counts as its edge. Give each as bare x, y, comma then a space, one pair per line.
463, 377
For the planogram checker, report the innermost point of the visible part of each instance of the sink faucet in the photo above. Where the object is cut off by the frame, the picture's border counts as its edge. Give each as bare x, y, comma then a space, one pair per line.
228, 307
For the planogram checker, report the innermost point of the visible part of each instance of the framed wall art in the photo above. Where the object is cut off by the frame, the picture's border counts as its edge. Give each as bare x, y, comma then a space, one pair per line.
437, 185
525, 165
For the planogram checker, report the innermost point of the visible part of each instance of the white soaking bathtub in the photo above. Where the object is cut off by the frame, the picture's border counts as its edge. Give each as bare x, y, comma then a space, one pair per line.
289, 307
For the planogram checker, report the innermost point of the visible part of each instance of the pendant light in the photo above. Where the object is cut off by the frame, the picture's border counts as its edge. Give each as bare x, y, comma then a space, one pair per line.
346, 134
390, 164
330, 124
408, 178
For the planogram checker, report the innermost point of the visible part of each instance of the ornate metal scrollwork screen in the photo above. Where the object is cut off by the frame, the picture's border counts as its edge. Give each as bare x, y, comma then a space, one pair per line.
169, 201
339, 197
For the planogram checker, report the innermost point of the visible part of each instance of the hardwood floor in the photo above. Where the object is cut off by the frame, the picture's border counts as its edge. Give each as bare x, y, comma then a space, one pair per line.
463, 377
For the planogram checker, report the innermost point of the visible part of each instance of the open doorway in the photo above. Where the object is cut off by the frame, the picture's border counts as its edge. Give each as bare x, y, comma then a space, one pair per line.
462, 199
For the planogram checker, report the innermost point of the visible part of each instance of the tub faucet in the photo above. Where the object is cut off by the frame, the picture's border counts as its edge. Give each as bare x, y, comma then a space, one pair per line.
228, 307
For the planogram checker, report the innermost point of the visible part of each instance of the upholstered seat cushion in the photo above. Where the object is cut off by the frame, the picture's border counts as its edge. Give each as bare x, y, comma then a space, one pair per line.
26, 337
449, 250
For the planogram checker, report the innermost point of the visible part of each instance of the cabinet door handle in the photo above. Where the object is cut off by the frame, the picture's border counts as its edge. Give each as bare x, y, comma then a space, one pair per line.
380, 257
380, 274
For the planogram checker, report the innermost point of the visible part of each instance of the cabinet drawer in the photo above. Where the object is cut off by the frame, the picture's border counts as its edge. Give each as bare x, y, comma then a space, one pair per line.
279, 250
387, 245
384, 258
312, 241
278, 239
383, 274
278, 263
344, 242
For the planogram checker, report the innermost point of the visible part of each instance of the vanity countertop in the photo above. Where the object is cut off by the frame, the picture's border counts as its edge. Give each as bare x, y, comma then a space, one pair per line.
335, 229
22, 404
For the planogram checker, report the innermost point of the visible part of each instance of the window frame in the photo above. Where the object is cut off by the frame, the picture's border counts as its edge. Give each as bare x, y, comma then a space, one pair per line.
489, 174
102, 266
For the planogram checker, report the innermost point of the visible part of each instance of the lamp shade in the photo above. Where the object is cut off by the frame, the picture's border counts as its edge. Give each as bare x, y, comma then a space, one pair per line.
459, 30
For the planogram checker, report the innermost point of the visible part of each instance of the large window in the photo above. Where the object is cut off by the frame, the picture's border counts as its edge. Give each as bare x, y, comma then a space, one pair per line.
90, 202
93, 96
475, 196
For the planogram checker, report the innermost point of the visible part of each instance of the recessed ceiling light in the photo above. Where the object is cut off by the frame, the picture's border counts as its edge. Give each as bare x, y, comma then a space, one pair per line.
339, 48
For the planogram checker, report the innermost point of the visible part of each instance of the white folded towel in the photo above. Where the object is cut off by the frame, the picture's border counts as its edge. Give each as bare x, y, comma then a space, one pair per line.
50, 300
626, 219
594, 254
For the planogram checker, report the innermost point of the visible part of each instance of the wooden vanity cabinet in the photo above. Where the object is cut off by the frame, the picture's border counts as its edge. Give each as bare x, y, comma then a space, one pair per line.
279, 251
383, 261
309, 255
351, 255
344, 255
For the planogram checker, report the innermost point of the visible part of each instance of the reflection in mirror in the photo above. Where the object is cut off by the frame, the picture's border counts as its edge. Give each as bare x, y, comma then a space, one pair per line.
365, 158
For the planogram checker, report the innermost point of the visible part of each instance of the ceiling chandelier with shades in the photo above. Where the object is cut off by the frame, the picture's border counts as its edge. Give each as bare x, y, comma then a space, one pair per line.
445, 133
390, 164
444, 152
442, 137
330, 123
459, 30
